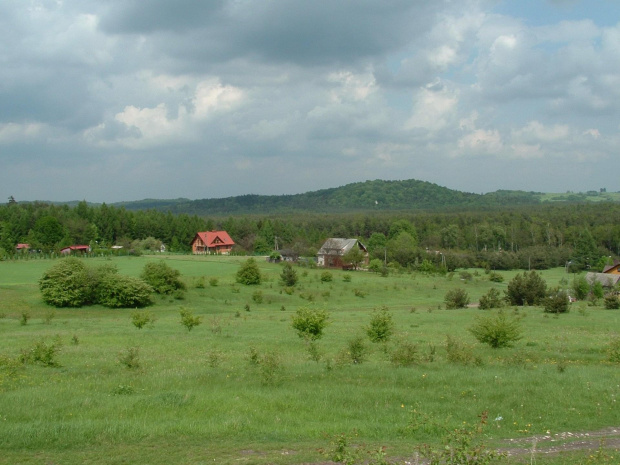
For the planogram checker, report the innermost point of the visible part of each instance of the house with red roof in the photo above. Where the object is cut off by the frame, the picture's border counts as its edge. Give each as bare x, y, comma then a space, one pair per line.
75, 249
212, 242
20, 247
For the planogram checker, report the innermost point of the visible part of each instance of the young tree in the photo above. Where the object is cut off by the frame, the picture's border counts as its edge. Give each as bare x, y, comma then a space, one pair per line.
288, 275
496, 330
249, 274
381, 326
456, 298
491, 299
354, 257
526, 289
310, 323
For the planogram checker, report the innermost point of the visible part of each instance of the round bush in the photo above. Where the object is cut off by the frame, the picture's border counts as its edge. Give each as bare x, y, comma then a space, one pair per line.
456, 298
162, 278
249, 273
118, 291
66, 284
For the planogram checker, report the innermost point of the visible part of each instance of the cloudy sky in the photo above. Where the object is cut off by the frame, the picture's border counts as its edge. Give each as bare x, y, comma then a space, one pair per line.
109, 100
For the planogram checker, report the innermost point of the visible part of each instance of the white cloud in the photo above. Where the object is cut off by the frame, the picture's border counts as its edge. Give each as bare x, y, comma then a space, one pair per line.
15, 132
435, 106
481, 142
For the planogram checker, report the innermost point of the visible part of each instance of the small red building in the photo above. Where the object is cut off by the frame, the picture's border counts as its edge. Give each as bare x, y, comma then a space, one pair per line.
212, 242
21, 247
75, 249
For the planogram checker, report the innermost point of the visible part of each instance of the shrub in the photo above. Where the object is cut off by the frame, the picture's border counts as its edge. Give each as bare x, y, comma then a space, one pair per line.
381, 326
526, 289
249, 274
458, 352
257, 297
42, 353
310, 322
213, 282
496, 277
581, 287
326, 277
162, 278
456, 298
24, 317
612, 302
375, 265
66, 284
613, 350
357, 349
130, 358
491, 299
142, 318
405, 354
496, 330
288, 275
556, 301
188, 319
118, 291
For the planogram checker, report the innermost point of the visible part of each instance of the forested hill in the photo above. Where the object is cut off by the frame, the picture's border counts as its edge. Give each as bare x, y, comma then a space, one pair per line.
362, 196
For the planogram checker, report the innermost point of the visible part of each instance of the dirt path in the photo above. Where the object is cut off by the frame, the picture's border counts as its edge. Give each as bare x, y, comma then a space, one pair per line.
567, 441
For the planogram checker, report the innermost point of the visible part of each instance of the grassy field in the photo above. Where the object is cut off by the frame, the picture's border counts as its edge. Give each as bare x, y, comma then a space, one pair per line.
198, 397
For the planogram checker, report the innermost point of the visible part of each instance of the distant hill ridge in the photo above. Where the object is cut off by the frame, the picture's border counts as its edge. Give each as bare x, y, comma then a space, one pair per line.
361, 196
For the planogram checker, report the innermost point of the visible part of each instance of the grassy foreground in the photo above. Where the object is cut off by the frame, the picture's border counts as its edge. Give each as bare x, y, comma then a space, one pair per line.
197, 397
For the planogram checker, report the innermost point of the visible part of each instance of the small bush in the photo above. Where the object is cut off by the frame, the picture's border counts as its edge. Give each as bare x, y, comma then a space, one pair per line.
215, 358
130, 358
491, 299
381, 326
118, 291
249, 274
360, 293
288, 275
496, 277
327, 277
556, 302
357, 350
346, 278
42, 353
496, 330
257, 297
405, 354
162, 278
24, 317
49, 316
612, 302
310, 322
213, 282
188, 319
456, 298
581, 287
459, 352
142, 318
613, 350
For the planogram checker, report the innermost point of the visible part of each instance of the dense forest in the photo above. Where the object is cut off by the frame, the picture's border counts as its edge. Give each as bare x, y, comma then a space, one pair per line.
375, 195
535, 236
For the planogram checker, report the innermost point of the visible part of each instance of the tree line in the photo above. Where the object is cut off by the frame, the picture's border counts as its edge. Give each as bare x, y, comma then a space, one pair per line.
527, 237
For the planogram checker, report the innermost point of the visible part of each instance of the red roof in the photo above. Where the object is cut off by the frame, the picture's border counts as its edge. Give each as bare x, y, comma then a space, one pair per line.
22, 246
215, 238
75, 247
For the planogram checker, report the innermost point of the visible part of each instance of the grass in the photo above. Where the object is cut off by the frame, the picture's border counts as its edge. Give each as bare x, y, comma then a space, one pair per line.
177, 406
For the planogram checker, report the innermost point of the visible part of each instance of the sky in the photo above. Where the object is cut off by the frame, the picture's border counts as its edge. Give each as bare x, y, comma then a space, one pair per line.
122, 100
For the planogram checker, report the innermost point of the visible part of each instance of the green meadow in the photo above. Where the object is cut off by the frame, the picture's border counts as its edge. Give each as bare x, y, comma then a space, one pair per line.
242, 387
